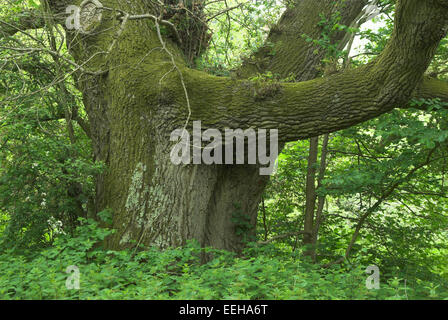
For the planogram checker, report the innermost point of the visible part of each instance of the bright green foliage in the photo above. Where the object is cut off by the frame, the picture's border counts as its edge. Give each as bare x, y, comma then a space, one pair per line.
260, 273
394, 167
46, 163
406, 235
238, 33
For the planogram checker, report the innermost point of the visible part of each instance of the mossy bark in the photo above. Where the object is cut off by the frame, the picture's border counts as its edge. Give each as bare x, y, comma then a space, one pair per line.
135, 104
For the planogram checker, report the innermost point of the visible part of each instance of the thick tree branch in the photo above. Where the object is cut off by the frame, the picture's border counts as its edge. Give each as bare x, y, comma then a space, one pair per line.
293, 55
432, 88
306, 109
297, 110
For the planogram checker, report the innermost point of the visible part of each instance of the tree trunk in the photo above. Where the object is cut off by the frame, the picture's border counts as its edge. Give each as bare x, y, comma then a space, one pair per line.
320, 198
310, 194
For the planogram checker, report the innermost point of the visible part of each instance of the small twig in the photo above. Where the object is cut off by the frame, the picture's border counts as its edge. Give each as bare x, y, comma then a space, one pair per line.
224, 11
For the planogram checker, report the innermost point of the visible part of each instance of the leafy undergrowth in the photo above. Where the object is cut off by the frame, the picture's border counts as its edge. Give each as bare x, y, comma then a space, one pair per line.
260, 273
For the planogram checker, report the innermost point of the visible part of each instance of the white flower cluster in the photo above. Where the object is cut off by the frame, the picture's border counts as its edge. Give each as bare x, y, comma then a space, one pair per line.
55, 225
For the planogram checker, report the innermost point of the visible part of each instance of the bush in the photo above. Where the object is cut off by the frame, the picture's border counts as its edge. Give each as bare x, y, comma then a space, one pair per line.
262, 272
